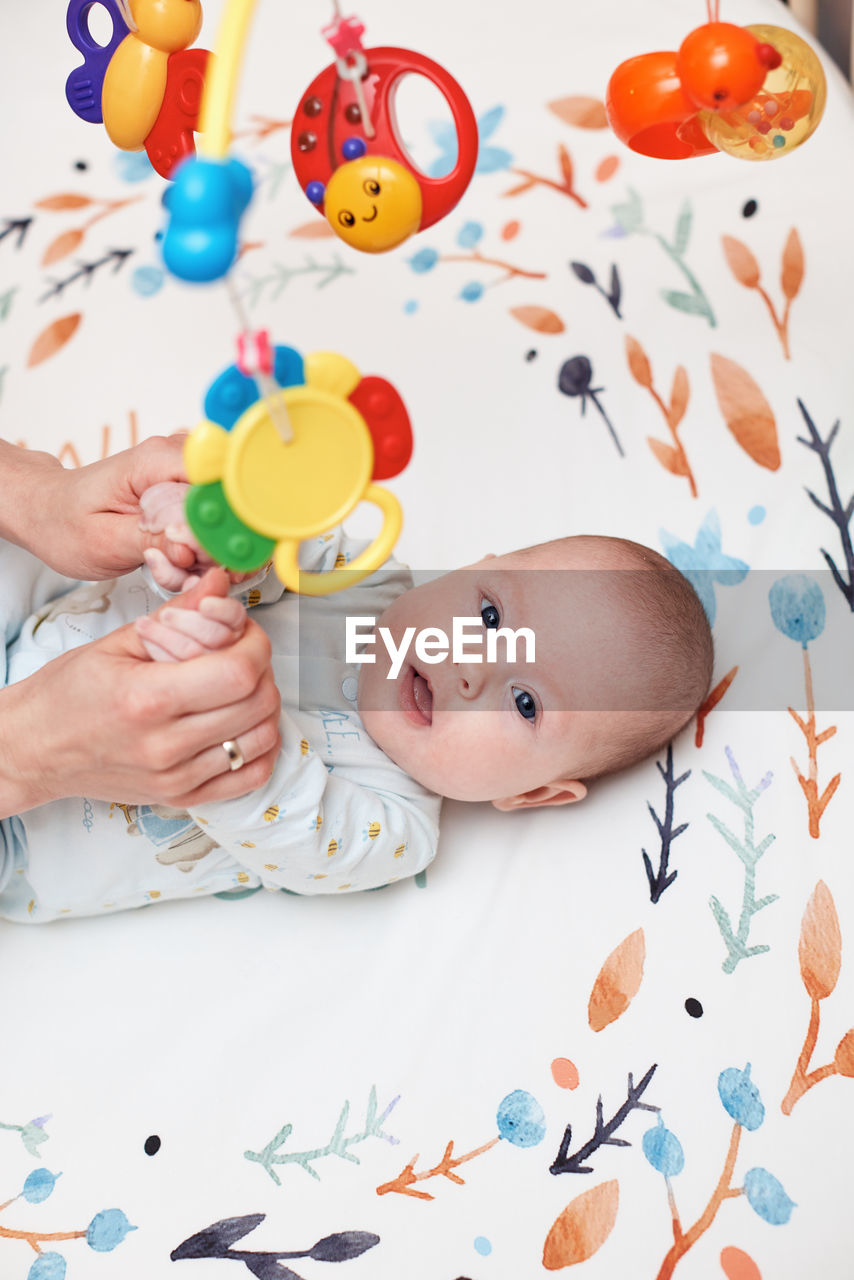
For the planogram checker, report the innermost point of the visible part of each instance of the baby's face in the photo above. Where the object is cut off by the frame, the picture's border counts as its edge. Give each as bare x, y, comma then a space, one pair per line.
500, 729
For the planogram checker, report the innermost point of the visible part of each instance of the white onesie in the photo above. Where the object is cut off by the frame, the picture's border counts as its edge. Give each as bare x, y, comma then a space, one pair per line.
336, 816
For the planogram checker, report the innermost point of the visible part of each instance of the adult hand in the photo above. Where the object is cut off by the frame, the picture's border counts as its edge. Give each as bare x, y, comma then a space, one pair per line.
139, 731
85, 522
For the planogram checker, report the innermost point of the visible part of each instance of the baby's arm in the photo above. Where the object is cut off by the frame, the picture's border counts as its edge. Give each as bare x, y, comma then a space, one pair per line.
310, 830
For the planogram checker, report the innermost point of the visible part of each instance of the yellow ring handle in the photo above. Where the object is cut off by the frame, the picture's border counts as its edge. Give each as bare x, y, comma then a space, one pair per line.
367, 562
221, 79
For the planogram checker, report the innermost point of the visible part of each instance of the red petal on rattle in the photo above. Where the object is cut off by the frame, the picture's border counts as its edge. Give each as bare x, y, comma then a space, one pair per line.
769, 56
386, 418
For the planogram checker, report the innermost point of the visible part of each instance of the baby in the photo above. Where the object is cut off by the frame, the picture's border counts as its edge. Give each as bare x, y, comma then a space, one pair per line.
613, 657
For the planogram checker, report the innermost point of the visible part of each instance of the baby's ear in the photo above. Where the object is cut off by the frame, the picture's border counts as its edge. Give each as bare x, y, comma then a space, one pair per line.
564, 791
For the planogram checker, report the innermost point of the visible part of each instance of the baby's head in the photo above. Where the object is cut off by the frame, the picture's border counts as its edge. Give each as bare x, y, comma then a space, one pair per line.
622, 661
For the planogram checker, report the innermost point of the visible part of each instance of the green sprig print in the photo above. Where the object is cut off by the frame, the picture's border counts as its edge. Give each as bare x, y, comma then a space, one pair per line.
748, 853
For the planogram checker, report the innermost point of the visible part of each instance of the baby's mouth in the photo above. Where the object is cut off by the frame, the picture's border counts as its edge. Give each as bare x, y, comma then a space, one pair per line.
416, 697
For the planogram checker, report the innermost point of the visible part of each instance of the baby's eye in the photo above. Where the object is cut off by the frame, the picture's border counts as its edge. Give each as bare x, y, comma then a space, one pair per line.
525, 704
489, 613
372, 187
346, 218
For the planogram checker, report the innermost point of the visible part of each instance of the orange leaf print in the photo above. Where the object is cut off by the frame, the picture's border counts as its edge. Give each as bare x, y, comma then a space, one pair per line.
741, 261
820, 944
317, 229
739, 1265
62, 246
792, 273
638, 363
510, 230
565, 165
584, 113
538, 318
607, 168
843, 1059
671, 459
582, 1227
617, 983
746, 411
678, 397
56, 204
52, 338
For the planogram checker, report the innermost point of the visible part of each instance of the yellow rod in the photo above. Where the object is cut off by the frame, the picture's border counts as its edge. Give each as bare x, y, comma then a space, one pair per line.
221, 79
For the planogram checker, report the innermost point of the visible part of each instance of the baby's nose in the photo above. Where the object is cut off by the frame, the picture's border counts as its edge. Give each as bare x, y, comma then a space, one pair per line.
469, 678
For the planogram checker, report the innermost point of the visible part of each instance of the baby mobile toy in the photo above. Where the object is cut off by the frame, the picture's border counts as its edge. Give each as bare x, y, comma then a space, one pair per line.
290, 445
755, 92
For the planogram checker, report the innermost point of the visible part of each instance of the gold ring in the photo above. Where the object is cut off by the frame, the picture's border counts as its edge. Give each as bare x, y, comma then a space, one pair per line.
235, 755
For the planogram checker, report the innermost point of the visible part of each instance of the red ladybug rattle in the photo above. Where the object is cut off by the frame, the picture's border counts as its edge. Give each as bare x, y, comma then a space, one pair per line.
347, 153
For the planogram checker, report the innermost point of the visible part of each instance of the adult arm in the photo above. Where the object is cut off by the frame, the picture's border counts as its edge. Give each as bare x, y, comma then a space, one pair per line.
84, 522
102, 720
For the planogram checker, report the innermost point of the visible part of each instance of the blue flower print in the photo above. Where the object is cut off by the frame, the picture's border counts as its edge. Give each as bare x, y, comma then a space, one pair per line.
704, 563
797, 607
489, 159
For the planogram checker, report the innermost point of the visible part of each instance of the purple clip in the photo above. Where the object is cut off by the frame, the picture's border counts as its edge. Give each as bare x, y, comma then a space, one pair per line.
83, 87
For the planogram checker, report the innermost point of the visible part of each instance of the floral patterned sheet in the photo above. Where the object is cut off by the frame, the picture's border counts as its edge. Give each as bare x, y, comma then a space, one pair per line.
615, 1037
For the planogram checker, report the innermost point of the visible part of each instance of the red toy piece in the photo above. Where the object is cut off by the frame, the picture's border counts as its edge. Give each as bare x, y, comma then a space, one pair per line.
382, 407
329, 116
171, 136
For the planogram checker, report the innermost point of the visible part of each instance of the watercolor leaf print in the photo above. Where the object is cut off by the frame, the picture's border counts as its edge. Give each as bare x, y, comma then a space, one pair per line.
746, 411
839, 514
564, 185
764, 1192
540, 319
738, 1265
745, 268
612, 295
798, 611
748, 853
217, 1240
604, 1130
338, 1145
667, 833
617, 982
574, 379
582, 1227
671, 456
629, 217
820, 960
583, 113
53, 338
521, 1122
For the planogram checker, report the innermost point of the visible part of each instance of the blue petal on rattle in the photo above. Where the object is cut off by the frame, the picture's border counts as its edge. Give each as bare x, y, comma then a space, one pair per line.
205, 205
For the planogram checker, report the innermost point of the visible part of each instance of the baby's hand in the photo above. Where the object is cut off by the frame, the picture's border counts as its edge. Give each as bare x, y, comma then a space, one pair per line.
175, 558
172, 634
